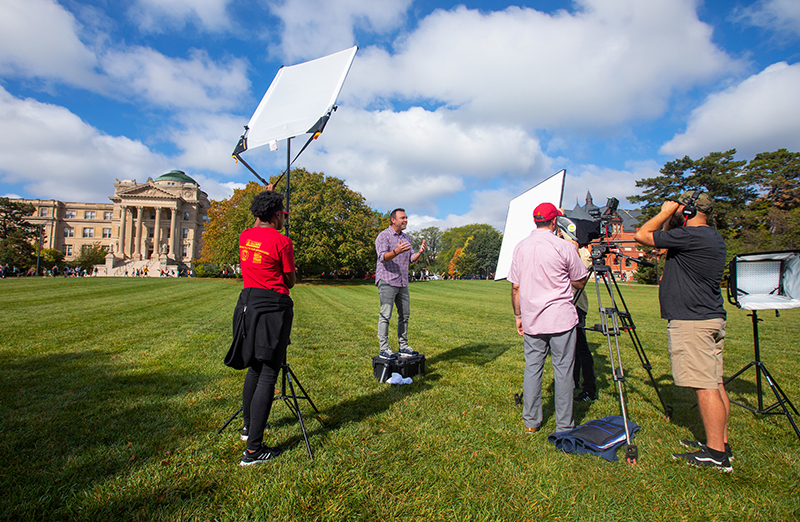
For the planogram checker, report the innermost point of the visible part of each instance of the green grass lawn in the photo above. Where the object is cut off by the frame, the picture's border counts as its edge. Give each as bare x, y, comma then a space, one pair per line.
112, 391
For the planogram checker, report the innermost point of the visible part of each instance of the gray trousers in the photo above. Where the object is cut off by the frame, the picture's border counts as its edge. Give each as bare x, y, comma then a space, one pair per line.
562, 355
393, 296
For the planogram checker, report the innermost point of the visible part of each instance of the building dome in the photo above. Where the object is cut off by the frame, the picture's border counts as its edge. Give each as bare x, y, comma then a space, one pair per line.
176, 175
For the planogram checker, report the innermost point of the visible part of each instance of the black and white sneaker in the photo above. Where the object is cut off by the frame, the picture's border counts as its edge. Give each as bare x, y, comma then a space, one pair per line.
262, 455
696, 445
387, 354
407, 352
704, 459
243, 436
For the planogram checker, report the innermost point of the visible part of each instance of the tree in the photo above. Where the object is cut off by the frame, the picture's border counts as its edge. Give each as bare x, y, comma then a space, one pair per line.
90, 255
16, 250
12, 218
777, 175
16, 234
434, 237
453, 239
453, 266
331, 226
484, 247
227, 219
717, 174
772, 220
52, 257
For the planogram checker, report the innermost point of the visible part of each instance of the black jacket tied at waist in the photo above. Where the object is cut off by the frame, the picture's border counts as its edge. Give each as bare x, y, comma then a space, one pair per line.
262, 323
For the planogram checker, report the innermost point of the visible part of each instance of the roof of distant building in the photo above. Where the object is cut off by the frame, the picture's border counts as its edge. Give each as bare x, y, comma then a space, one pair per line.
176, 175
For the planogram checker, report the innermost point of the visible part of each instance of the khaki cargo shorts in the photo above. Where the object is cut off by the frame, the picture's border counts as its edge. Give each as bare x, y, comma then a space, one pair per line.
695, 351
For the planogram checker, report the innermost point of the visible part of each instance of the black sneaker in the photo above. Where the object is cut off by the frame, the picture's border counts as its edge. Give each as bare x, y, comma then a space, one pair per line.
243, 436
585, 396
407, 352
387, 354
262, 455
696, 445
704, 459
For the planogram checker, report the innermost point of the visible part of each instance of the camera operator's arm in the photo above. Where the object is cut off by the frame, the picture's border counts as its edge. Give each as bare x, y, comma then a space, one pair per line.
515, 306
644, 235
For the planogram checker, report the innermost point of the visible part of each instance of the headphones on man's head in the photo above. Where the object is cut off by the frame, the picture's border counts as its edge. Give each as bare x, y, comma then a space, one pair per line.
689, 210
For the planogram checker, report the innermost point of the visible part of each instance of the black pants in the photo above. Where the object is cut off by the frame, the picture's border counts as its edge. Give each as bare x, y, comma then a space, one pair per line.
584, 364
257, 395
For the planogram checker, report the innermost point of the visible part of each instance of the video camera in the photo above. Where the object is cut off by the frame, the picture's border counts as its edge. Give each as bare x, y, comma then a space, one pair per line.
584, 231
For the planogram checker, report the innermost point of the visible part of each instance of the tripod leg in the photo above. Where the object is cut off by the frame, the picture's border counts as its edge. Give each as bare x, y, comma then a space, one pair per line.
300, 385
297, 412
781, 397
229, 420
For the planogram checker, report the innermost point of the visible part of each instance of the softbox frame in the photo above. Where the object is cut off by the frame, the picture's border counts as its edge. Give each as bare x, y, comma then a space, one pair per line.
299, 99
765, 280
519, 221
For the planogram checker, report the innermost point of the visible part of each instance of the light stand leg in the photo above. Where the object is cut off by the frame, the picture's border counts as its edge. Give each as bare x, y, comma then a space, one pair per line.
230, 420
288, 377
781, 399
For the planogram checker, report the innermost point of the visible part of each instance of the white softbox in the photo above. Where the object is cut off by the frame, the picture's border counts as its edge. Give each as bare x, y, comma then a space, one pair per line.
298, 98
519, 222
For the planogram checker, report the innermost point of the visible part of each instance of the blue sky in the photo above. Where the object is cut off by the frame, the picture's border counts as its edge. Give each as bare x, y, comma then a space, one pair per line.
450, 109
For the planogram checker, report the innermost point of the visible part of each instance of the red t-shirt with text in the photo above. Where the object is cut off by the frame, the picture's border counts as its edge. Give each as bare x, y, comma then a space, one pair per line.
265, 255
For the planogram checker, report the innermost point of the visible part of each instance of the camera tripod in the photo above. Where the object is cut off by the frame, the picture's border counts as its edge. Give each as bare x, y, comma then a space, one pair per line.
287, 377
613, 322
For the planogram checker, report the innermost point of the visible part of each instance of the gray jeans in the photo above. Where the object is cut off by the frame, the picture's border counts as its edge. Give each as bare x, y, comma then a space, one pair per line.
562, 355
391, 296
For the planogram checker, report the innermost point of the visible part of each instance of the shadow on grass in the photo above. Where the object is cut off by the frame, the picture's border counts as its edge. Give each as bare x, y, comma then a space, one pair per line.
637, 379
478, 354
350, 411
72, 421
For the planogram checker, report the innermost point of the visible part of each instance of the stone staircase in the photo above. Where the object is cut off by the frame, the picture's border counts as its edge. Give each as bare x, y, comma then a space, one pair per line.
153, 266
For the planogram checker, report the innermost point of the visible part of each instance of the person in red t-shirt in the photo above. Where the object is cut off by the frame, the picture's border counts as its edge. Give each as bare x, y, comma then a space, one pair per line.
267, 261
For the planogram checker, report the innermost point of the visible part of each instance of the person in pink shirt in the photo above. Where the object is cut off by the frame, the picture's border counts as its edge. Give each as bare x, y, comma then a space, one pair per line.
544, 269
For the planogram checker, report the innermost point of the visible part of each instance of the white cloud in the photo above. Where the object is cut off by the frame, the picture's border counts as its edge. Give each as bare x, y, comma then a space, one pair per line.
206, 141
197, 82
760, 114
314, 28
215, 189
163, 15
54, 154
39, 38
608, 63
781, 16
416, 157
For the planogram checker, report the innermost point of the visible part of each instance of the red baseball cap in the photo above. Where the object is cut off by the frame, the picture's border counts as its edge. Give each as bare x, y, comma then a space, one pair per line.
545, 212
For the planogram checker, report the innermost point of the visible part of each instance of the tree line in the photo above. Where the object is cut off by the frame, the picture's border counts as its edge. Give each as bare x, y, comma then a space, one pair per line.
334, 231
757, 203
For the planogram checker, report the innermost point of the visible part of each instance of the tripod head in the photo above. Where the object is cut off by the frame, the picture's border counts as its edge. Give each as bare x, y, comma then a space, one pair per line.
604, 247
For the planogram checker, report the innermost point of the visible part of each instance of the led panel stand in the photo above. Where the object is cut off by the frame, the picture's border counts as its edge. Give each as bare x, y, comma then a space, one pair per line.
765, 281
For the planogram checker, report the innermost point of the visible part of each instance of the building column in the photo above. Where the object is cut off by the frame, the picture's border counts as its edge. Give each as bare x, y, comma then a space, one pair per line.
137, 253
122, 232
172, 234
157, 235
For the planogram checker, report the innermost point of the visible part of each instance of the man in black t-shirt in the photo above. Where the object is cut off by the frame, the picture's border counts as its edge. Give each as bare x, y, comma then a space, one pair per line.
691, 301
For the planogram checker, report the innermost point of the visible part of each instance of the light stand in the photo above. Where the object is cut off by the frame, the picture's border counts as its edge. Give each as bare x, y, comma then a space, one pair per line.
759, 282
287, 375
